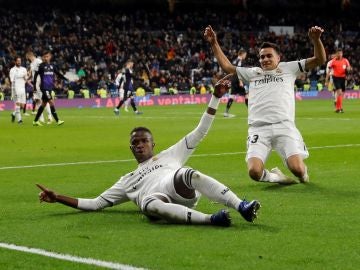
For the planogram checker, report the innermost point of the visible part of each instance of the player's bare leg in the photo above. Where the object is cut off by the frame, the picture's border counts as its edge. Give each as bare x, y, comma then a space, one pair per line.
297, 166
257, 172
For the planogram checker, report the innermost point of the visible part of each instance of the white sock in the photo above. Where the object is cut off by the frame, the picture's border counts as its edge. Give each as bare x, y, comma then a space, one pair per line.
212, 189
48, 110
305, 177
41, 118
17, 112
177, 213
269, 177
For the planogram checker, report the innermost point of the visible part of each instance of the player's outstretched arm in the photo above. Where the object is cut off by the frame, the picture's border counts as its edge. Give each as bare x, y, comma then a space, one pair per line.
194, 137
184, 148
223, 61
319, 57
98, 203
49, 196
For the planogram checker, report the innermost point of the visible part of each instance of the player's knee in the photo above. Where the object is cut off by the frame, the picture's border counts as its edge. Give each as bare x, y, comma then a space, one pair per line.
153, 207
151, 203
255, 173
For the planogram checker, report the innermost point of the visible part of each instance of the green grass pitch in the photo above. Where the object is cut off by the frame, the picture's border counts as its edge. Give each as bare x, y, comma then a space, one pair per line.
312, 226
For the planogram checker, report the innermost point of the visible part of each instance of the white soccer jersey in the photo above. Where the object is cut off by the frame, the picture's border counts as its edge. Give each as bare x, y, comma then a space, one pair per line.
329, 70
153, 175
34, 66
18, 77
271, 93
119, 80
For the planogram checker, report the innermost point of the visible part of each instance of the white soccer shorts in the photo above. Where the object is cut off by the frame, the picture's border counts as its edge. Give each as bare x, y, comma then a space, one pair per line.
20, 97
165, 187
283, 137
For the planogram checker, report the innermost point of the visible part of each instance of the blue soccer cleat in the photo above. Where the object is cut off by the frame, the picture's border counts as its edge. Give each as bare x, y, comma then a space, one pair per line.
221, 218
248, 210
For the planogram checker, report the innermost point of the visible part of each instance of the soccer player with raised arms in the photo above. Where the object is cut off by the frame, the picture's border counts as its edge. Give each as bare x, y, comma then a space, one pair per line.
271, 111
161, 186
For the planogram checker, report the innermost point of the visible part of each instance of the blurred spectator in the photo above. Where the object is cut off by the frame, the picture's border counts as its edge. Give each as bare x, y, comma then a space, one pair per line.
168, 48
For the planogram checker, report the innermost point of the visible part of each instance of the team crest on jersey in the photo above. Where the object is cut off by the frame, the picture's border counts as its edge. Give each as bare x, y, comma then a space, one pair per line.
155, 158
278, 70
258, 70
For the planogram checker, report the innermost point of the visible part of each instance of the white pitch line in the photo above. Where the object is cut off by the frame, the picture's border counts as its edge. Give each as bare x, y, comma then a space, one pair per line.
66, 164
71, 258
131, 160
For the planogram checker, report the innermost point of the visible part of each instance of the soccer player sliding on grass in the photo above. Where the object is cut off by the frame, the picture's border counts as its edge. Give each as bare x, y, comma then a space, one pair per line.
271, 107
161, 186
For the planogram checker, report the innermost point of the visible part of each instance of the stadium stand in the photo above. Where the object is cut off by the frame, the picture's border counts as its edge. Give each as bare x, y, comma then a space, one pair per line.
167, 47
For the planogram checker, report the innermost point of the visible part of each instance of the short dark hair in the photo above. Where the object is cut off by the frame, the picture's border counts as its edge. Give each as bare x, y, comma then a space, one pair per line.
45, 52
267, 44
137, 129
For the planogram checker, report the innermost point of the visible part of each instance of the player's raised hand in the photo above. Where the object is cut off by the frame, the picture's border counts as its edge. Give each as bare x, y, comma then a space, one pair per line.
315, 32
222, 86
209, 34
46, 195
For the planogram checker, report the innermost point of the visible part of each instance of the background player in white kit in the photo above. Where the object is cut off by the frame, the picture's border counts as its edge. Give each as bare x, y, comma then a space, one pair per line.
271, 113
161, 187
18, 76
119, 82
34, 67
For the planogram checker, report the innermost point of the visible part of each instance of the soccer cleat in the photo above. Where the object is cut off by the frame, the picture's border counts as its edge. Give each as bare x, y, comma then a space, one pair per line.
283, 179
20, 121
26, 114
116, 111
221, 218
337, 111
60, 122
33, 113
341, 111
12, 118
248, 210
229, 115
305, 179
137, 112
37, 124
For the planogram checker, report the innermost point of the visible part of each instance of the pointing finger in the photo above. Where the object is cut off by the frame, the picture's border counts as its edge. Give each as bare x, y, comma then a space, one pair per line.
41, 187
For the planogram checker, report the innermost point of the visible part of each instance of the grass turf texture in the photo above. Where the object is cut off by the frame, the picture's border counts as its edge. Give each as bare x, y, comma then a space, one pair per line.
312, 226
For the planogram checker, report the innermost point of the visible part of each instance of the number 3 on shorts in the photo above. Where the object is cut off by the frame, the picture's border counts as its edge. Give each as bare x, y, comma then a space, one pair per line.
252, 139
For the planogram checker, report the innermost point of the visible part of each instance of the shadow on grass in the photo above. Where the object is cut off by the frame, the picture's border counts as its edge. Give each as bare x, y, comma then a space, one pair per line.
103, 212
313, 188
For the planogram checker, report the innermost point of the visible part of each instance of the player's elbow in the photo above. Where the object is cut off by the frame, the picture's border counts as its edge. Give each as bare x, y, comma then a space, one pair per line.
321, 60
229, 68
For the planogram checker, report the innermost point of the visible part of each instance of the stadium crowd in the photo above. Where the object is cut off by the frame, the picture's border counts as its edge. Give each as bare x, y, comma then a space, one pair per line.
168, 48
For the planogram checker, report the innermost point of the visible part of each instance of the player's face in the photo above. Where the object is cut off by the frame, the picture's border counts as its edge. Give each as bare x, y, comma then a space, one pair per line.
339, 54
18, 62
269, 58
142, 145
47, 57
